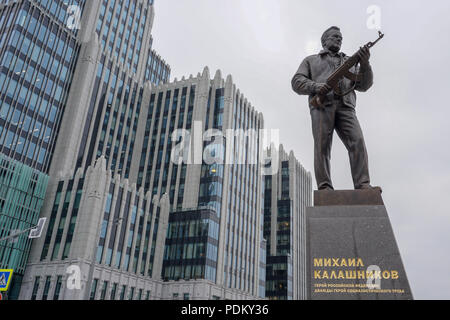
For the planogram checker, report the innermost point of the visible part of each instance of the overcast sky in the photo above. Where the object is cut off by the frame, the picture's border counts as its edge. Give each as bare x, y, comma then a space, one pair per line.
405, 116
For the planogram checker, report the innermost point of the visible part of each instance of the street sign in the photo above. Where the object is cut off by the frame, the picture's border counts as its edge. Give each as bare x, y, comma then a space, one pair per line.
36, 232
5, 278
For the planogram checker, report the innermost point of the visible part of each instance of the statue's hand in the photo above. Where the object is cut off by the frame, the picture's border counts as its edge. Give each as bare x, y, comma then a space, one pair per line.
322, 88
364, 55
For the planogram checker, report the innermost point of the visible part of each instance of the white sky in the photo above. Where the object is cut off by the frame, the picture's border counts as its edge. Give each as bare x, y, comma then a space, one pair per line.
404, 116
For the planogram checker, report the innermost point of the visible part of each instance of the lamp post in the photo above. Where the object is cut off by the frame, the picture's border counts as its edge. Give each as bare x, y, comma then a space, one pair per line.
35, 232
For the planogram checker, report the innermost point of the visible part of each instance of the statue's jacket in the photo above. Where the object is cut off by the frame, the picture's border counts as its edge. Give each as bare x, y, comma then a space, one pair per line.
317, 69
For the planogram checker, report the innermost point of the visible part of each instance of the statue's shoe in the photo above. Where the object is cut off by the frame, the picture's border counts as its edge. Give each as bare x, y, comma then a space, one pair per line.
369, 187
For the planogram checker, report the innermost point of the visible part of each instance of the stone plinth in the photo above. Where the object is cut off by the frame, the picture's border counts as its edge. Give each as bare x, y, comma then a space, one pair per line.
351, 248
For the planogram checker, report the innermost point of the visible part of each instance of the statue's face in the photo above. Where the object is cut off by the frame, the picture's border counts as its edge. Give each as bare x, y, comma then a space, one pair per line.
334, 41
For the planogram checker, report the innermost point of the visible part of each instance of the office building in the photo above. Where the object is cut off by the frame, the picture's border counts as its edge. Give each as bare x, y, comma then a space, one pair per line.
22, 192
153, 189
168, 229
44, 97
286, 196
113, 192
215, 224
38, 54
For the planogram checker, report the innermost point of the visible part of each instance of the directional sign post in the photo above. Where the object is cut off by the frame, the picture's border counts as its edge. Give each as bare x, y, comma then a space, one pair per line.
37, 231
34, 232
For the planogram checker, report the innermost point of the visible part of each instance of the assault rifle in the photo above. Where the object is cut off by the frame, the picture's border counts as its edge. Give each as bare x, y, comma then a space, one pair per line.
344, 72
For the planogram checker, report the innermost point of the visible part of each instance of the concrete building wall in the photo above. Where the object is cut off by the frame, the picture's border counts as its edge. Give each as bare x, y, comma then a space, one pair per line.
94, 149
108, 230
196, 105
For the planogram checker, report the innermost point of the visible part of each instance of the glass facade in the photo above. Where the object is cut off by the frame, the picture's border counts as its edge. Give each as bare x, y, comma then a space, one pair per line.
191, 245
192, 241
167, 111
62, 239
22, 192
242, 244
157, 71
279, 277
37, 61
38, 54
279, 265
285, 228
116, 101
121, 28
284, 222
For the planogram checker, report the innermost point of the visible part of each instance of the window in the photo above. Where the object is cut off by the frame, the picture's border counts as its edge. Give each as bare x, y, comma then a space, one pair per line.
4, 110
93, 289
103, 294
46, 288
57, 288
131, 296
35, 288
122, 294
186, 296
11, 88
40, 156
113, 292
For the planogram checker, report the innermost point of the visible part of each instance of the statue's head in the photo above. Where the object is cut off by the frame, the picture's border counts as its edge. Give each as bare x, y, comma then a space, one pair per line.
332, 39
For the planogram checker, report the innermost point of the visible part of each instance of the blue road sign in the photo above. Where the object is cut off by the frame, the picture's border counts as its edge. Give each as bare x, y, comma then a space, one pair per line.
5, 278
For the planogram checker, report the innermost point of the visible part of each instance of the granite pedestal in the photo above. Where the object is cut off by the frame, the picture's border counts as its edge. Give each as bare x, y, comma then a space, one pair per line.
351, 249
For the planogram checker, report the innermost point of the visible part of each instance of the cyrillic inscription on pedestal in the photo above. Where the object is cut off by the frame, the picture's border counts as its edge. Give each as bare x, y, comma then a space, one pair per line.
352, 252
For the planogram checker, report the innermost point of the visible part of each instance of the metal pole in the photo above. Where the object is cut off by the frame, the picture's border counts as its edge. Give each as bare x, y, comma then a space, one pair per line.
18, 234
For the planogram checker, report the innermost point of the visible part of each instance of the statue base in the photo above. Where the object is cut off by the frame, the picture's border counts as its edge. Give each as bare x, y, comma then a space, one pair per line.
351, 249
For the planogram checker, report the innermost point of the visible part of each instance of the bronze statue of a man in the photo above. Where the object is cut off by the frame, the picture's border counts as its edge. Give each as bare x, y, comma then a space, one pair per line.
338, 111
